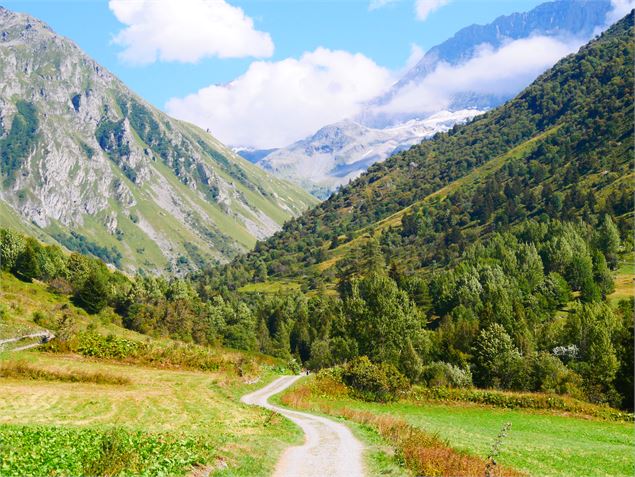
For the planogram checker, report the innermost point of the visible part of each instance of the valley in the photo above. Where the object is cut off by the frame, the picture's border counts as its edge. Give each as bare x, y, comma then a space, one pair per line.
460, 303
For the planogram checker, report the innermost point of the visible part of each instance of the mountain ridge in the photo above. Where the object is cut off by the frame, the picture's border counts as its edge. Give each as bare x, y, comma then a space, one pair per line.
567, 21
103, 165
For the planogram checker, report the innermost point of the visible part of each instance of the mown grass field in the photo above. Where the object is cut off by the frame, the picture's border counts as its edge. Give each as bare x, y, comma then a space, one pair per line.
198, 410
540, 443
69, 415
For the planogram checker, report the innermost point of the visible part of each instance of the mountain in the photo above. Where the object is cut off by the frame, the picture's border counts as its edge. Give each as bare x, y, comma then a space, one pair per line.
340, 152
253, 155
563, 19
561, 150
90, 165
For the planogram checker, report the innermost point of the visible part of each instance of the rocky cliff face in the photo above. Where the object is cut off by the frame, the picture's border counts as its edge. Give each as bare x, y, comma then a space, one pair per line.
87, 163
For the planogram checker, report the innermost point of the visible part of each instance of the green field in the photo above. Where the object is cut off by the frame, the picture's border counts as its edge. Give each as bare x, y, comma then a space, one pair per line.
540, 443
194, 416
150, 418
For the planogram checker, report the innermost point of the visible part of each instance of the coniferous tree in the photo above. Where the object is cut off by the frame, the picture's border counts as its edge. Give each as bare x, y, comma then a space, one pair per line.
93, 295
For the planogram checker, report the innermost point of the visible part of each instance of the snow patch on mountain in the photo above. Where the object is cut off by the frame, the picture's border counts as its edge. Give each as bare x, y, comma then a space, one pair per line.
340, 152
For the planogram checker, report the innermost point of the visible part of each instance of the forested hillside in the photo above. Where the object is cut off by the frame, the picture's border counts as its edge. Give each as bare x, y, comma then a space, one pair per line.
485, 256
562, 149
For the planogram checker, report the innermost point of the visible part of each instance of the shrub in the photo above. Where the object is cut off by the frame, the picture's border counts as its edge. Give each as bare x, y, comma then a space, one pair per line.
110, 347
551, 376
45, 320
93, 295
374, 382
514, 400
447, 375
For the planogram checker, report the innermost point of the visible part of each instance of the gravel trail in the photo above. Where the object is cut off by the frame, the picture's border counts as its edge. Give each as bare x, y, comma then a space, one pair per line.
329, 450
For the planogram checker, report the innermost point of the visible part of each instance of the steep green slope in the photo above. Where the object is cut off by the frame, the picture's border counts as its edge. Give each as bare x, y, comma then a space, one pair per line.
561, 149
99, 170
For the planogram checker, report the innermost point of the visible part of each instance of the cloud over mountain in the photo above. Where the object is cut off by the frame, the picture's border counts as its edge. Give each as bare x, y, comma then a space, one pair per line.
274, 103
498, 72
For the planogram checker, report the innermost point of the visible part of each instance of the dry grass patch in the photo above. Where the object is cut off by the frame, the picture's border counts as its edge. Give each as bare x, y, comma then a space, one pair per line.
22, 370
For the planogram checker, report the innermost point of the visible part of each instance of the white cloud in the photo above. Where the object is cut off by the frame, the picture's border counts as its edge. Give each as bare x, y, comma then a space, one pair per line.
619, 10
423, 8
416, 53
186, 31
500, 72
276, 103
376, 4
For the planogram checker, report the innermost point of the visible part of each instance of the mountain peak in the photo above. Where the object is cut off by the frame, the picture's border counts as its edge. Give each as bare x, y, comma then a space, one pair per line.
18, 23
98, 168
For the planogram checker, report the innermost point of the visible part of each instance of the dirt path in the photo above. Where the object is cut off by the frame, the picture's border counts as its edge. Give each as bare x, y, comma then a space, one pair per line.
329, 450
42, 336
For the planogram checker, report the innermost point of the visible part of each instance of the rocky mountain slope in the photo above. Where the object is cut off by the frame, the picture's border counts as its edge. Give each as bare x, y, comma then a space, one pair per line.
87, 163
340, 152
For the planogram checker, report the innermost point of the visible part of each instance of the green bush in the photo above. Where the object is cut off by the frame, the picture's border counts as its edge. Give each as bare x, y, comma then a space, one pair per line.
374, 382
519, 401
89, 343
108, 347
447, 375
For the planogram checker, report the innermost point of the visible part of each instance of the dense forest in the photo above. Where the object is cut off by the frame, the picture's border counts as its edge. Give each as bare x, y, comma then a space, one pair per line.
496, 273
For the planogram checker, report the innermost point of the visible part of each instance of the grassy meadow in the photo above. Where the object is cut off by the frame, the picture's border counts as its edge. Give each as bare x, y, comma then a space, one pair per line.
539, 443
173, 412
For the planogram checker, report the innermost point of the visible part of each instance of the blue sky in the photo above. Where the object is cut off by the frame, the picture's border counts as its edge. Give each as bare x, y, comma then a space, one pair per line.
265, 73
384, 35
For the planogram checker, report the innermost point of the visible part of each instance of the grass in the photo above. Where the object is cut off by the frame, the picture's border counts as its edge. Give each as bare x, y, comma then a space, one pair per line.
176, 403
539, 443
282, 286
421, 452
624, 287
157, 406
624, 279
20, 302
380, 459
23, 370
